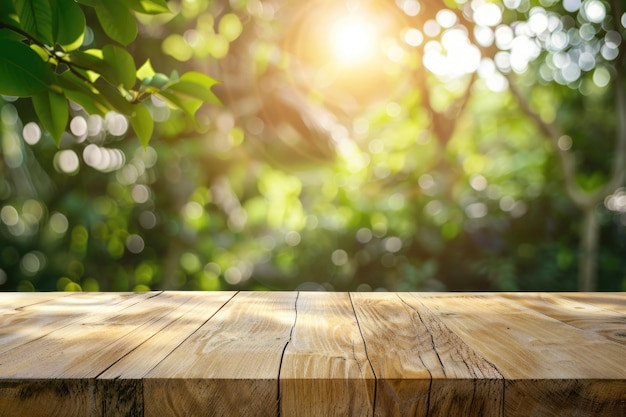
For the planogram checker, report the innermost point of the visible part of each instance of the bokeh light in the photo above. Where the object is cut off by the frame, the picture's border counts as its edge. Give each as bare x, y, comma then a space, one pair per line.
59, 223
103, 159
66, 161
31, 133
115, 123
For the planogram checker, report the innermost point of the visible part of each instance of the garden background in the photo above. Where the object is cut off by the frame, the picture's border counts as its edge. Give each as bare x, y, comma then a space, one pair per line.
334, 145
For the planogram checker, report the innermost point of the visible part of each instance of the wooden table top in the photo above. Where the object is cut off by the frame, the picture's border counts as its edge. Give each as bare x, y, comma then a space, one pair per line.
312, 354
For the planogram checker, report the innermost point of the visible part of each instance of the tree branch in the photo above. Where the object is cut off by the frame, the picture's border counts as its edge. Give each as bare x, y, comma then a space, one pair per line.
568, 165
70, 65
618, 173
4, 25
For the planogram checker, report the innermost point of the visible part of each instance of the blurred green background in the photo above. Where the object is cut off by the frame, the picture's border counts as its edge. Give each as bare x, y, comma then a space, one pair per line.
361, 145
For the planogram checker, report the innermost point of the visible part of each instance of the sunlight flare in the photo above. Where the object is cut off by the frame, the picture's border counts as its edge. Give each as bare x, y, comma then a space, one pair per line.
353, 39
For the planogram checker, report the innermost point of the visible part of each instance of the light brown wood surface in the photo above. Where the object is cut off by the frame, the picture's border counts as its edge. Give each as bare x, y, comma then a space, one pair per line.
312, 354
550, 367
232, 362
325, 370
582, 315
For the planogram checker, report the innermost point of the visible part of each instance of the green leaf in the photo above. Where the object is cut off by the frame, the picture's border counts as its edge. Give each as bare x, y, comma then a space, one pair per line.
120, 66
8, 15
148, 6
43, 53
142, 123
36, 18
86, 101
188, 105
9, 34
22, 71
81, 93
145, 71
197, 85
52, 110
158, 81
69, 24
90, 63
115, 99
113, 63
91, 59
139, 116
117, 21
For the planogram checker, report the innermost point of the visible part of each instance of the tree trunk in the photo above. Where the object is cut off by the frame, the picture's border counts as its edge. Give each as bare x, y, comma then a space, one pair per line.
588, 256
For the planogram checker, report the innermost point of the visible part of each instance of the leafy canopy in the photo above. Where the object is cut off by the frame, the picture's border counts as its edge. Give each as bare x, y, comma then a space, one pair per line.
41, 56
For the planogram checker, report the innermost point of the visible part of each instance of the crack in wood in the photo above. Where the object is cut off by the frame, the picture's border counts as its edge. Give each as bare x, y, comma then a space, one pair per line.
432, 341
358, 324
432, 325
282, 356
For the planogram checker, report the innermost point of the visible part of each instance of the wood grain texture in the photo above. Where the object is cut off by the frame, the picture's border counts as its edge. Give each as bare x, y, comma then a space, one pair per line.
121, 386
403, 377
537, 355
77, 353
86, 347
325, 370
465, 383
230, 366
17, 300
31, 322
610, 300
608, 323
172, 330
312, 354
565, 397
48, 398
422, 368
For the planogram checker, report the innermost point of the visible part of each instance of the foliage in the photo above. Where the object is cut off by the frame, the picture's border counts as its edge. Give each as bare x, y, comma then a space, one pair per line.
43, 56
430, 165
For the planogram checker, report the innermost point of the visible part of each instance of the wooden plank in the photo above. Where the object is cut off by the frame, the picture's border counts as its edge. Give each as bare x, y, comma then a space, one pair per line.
552, 369
230, 366
325, 370
16, 300
31, 321
34, 321
464, 383
607, 323
70, 356
402, 377
421, 367
47, 398
615, 301
175, 328
312, 354
120, 386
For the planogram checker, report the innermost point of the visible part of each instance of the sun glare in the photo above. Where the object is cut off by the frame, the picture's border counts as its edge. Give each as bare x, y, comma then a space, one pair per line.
353, 40
352, 60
